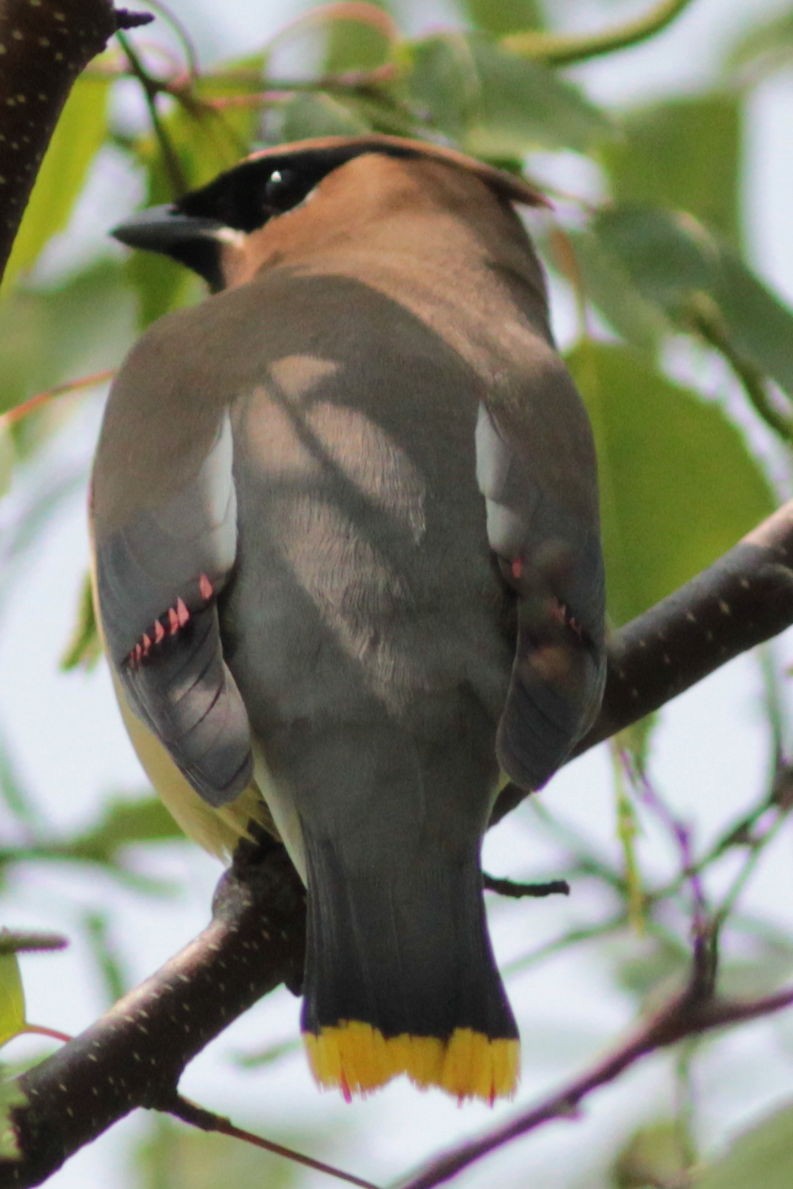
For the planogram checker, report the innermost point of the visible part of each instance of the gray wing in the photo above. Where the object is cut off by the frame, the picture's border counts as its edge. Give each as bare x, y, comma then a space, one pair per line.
542, 524
159, 569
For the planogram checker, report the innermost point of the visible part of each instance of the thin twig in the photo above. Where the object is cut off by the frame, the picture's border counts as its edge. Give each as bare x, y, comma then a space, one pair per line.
517, 891
181, 31
12, 416
197, 1116
151, 88
13, 942
683, 1016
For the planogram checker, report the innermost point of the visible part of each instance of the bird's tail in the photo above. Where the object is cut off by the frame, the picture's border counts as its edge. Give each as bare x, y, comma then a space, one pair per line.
400, 976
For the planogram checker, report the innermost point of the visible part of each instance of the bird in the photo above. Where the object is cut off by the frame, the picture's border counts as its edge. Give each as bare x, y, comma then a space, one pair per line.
348, 571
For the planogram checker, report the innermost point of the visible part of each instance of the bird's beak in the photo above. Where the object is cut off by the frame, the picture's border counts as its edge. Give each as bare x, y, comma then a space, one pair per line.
194, 240
164, 229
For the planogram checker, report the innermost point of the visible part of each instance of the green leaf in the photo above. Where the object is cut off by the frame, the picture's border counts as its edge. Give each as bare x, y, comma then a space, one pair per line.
442, 81
84, 648
642, 967
768, 43
46, 331
678, 484
503, 16
160, 284
637, 738
124, 823
353, 45
760, 326
607, 284
77, 139
496, 104
684, 153
666, 254
672, 259
173, 1157
763, 1155
655, 1155
12, 998
208, 135
302, 116
204, 134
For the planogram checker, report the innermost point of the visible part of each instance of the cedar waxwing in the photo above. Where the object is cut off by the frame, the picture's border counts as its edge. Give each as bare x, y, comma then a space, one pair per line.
347, 564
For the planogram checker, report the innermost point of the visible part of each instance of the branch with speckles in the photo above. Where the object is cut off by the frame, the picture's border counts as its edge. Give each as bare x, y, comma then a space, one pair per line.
44, 45
135, 1054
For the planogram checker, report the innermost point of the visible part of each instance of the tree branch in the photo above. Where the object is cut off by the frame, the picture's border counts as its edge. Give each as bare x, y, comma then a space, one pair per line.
134, 1055
688, 1014
52, 41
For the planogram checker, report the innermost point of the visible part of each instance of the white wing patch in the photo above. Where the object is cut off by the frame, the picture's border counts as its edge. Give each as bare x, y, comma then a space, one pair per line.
506, 528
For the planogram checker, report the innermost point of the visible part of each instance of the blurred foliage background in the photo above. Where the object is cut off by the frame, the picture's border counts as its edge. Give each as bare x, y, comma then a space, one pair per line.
684, 355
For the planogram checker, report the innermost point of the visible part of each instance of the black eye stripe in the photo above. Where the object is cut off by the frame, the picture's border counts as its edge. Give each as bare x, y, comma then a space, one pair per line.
263, 187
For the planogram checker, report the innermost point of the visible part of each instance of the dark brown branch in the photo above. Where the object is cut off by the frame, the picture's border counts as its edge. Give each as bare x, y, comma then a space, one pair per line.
46, 43
740, 601
134, 1055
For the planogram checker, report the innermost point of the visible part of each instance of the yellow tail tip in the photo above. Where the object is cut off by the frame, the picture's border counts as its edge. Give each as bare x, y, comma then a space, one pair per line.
357, 1058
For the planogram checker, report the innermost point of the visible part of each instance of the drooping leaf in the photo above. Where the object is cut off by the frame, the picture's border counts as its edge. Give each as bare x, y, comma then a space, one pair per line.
608, 286
644, 967
496, 104
12, 998
356, 45
765, 43
503, 16
672, 259
83, 648
302, 116
682, 153
678, 484
173, 1157
44, 340
655, 1155
210, 128
762, 1155
75, 142
124, 823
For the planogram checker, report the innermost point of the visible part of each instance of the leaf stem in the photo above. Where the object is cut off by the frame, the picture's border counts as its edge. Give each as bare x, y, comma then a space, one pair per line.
564, 49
